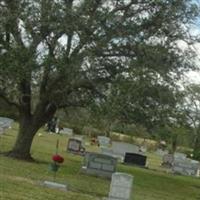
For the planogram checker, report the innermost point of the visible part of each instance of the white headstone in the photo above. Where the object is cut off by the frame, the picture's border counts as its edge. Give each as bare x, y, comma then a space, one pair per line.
121, 186
67, 131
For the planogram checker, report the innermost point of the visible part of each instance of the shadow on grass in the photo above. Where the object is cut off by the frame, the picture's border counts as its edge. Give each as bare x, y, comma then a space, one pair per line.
30, 159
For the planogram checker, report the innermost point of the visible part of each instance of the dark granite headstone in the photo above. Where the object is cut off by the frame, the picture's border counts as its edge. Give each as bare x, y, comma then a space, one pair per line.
135, 159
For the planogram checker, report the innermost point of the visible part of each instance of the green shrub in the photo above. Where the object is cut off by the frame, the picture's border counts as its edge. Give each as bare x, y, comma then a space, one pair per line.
196, 155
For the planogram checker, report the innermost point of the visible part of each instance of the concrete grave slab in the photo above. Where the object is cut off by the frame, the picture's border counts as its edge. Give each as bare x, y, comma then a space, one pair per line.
55, 185
121, 148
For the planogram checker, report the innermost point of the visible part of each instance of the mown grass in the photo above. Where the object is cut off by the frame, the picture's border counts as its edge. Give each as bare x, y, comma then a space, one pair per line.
21, 180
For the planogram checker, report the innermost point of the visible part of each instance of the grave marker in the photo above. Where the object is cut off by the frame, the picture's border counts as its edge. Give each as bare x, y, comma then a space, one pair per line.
178, 155
186, 167
5, 123
121, 186
99, 164
75, 146
103, 141
135, 159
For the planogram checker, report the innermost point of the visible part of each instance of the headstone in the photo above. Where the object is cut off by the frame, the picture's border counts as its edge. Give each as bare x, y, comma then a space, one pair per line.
5, 123
121, 186
135, 159
109, 151
79, 137
103, 141
99, 164
106, 151
178, 155
66, 131
167, 160
186, 167
75, 146
121, 148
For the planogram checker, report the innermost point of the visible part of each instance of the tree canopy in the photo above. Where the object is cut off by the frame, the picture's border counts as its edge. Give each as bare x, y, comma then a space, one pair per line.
61, 53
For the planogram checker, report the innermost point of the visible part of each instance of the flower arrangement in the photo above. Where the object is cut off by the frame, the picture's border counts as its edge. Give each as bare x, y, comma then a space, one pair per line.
57, 160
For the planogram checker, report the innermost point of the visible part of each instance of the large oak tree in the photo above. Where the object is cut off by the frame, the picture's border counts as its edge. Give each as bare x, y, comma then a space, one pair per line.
59, 53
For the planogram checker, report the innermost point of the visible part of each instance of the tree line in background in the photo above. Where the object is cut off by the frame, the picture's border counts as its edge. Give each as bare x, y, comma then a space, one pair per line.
175, 120
121, 57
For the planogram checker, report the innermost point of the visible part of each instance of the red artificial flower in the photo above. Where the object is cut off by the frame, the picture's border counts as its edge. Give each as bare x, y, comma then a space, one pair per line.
57, 158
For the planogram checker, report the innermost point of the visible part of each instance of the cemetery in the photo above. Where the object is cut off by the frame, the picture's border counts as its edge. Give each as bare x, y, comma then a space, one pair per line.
99, 100
97, 174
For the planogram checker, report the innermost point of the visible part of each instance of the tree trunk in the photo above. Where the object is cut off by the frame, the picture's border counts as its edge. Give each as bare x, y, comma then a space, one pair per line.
174, 143
29, 124
196, 149
22, 147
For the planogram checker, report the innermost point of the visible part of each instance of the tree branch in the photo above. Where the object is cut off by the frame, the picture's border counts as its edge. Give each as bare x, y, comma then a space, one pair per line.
7, 100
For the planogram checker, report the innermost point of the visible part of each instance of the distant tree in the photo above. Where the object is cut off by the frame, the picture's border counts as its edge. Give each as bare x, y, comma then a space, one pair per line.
191, 108
60, 53
143, 98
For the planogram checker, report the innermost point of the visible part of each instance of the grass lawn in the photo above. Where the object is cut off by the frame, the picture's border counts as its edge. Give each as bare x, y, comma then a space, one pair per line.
21, 180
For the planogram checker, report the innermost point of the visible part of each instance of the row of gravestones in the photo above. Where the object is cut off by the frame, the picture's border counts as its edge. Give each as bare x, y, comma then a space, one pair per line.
180, 164
120, 149
130, 154
120, 187
127, 153
104, 166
